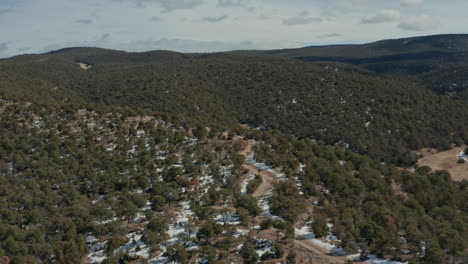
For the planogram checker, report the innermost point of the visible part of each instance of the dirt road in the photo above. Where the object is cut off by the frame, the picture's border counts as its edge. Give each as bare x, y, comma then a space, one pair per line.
308, 252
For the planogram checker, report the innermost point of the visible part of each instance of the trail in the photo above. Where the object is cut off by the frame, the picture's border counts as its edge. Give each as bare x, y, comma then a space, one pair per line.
314, 254
268, 178
308, 250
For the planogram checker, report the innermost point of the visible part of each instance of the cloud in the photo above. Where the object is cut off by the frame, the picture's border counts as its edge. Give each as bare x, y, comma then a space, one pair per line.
105, 38
215, 19
292, 21
166, 5
3, 47
232, 3
411, 3
384, 16
418, 23
155, 19
264, 17
246, 4
301, 19
4, 11
331, 35
23, 49
171, 5
84, 21
337, 8
6, 6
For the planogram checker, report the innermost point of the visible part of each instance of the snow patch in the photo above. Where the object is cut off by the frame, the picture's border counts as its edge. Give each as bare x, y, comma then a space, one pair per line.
246, 182
463, 155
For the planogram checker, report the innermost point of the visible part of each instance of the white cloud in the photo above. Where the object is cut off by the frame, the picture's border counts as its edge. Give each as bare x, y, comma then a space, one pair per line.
302, 18
418, 23
411, 3
384, 16
215, 19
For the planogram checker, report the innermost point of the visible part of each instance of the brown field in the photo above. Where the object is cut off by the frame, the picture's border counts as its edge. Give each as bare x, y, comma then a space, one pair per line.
445, 160
85, 66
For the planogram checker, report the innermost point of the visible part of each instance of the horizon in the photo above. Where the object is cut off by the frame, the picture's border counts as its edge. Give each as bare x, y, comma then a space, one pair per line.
209, 26
226, 51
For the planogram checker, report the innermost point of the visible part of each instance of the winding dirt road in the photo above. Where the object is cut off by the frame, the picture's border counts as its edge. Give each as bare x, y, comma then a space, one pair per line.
308, 252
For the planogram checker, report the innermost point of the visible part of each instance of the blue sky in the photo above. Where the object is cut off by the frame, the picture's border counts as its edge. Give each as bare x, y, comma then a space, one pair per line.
34, 26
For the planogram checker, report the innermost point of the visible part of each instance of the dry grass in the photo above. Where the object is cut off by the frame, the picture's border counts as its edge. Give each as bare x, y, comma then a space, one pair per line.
446, 160
85, 66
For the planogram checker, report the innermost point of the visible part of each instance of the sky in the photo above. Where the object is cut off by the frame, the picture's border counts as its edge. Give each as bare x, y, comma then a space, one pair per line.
37, 26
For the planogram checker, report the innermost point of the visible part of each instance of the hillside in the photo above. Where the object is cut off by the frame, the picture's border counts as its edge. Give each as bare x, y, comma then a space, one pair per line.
440, 62
81, 185
337, 103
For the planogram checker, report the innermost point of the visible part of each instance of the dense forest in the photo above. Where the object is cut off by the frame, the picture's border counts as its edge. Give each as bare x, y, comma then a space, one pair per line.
384, 117
438, 62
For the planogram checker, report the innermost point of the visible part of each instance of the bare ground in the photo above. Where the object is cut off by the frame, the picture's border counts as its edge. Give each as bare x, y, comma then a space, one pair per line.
85, 66
445, 160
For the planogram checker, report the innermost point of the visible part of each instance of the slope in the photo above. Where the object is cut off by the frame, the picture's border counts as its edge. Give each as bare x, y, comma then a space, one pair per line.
333, 102
439, 62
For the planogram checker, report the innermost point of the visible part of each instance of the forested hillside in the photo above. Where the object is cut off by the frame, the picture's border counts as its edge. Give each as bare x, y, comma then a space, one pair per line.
438, 62
336, 103
91, 185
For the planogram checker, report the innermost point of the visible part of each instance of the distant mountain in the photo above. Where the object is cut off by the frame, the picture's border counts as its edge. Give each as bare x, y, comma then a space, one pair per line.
371, 113
440, 62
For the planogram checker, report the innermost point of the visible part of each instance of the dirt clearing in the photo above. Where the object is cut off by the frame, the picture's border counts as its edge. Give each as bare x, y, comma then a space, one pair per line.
445, 160
85, 66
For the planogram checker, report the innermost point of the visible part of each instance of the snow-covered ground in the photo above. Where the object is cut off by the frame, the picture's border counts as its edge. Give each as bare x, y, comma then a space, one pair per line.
308, 235
245, 183
135, 246
263, 201
264, 204
251, 160
263, 245
305, 233
299, 185
177, 228
240, 232
228, 219
463, 155
374, 260
180, 223
96, 249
